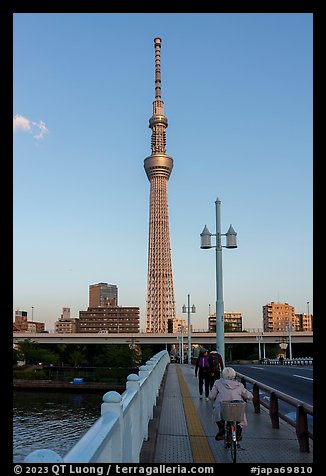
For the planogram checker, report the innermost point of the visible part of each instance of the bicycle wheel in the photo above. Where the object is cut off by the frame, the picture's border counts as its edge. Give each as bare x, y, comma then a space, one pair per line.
233, 442
227, 435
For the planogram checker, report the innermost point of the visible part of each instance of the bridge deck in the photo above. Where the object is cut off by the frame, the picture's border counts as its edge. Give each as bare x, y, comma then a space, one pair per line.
183, 431
201, 338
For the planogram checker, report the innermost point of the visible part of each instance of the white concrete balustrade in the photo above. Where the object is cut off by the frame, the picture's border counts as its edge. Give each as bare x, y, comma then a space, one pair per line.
117, 436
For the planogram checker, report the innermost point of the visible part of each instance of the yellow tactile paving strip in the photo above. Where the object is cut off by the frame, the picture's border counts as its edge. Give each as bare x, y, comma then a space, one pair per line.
201, 451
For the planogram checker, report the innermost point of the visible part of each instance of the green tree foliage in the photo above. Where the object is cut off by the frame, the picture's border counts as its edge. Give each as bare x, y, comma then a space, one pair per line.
17, 355
148, 350
33, 353
112, 355
77, 355
61, 350
76, 358
228, 327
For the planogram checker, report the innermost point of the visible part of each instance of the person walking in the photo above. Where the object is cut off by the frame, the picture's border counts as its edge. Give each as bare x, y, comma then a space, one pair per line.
204, 370
218, 366
226, 389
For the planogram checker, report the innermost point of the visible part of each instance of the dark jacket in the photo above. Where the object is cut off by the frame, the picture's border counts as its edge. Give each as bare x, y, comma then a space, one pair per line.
199, 368
216, 356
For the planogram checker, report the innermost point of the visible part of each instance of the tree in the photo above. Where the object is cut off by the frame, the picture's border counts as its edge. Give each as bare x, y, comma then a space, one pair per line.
33, 353
228, 327
76, 357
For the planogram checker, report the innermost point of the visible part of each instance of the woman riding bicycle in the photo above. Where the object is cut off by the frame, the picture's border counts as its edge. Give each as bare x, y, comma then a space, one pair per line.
226, 389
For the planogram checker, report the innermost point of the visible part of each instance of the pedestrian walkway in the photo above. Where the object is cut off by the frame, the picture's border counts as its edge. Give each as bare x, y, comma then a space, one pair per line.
183, 430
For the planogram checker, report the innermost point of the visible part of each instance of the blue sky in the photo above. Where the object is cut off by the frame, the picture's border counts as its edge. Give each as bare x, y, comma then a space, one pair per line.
237, 89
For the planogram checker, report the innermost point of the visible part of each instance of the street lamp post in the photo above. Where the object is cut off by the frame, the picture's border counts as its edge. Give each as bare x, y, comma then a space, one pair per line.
308, 309
260, 341
181, 329
32, 313
231, 242
259, 350
192, 309
290, 338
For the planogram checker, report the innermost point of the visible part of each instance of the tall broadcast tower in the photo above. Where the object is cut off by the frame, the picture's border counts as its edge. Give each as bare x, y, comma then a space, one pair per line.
160, 305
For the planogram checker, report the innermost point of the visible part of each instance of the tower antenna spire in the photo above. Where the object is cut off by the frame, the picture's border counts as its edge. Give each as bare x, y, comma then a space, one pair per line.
157, 43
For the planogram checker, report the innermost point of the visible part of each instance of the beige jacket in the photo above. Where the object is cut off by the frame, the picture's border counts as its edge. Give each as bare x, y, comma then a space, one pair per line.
228, 390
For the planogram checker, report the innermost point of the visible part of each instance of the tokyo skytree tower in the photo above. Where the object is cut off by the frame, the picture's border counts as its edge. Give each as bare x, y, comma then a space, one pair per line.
160, 304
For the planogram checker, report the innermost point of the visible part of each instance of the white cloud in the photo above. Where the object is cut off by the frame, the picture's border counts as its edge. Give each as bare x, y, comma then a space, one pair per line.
43, 130
21, 123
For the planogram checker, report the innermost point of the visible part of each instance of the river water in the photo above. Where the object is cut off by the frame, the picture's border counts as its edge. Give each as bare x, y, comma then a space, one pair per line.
51, 420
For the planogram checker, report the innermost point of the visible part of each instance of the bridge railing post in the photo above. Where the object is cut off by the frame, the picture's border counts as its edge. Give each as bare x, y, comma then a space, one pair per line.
256, 399
151, 387
156, 375
112, 402
302, 429
145, 404
43, 456
273, 410
133, 431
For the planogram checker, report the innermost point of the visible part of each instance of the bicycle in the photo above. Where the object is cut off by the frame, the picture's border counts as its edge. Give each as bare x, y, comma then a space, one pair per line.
232, 413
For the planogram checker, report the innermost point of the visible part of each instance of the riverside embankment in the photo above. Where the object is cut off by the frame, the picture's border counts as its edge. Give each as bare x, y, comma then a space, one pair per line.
56, 385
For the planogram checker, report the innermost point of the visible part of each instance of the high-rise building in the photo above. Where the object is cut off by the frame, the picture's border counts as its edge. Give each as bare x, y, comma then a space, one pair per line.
160, 304
103, 294
278, 316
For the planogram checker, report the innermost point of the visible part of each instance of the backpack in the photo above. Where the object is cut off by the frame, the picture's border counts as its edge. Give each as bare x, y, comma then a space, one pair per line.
204, 362
216, 363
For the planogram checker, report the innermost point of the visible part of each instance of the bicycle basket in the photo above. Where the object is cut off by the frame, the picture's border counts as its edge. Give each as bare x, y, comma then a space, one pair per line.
233, 410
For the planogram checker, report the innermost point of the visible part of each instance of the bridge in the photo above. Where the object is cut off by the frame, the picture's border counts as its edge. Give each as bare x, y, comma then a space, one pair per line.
160, 419
198, 338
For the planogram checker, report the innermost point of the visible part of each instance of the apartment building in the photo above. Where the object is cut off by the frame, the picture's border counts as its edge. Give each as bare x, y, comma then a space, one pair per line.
111, 319
66, 324
303, 322
232, 322
278, 316
22, 324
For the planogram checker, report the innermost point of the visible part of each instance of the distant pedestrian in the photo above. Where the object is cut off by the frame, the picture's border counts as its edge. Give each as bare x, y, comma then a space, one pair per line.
204, 370
226, 389
218, 366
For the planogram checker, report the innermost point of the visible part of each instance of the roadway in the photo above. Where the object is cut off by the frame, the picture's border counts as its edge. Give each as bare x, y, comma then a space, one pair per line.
294, 380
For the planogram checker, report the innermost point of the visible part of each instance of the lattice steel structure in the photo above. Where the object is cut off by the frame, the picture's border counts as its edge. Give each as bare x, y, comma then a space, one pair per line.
160, 304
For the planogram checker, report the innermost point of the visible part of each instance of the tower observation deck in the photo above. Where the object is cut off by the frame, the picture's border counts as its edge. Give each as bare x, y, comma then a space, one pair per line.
160, 304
